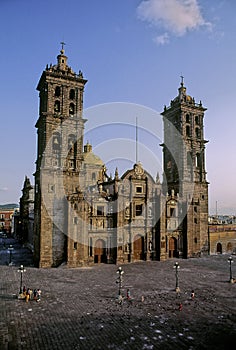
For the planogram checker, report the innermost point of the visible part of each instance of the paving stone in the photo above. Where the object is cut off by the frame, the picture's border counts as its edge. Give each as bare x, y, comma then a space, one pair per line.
79, 307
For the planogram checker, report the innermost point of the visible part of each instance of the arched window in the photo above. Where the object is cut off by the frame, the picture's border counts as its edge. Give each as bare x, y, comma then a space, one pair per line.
219, 248
57, 91
72, 109
229, 247
197, 119
57, 106
56, 142
72, 94
187, 118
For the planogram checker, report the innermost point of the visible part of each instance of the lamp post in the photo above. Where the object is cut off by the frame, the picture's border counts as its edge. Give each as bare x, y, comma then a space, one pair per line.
21, 270
230, 260
119, 280
176, 267
10, 249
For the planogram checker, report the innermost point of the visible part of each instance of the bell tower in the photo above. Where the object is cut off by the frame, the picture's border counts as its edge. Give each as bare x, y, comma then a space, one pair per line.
185, 176
60, 130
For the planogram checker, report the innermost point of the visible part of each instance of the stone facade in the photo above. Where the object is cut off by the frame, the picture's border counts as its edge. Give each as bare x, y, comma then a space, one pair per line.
222, 238
83, 216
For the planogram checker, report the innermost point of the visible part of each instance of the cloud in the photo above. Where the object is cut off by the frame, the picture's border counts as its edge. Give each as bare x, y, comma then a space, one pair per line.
162, 39
175, 16
3, 189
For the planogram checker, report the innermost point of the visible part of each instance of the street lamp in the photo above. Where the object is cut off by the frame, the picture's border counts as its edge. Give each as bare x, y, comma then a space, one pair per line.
230, 260
119, 280
21, 270
10, 249
176, 267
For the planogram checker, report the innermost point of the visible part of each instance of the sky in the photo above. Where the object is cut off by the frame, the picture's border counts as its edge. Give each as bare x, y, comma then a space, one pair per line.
133, 53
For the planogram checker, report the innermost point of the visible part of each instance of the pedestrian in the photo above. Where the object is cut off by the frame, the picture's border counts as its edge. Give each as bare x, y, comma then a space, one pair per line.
35, 294
27, 295
38, 294
192, 295
180, 307
129, 296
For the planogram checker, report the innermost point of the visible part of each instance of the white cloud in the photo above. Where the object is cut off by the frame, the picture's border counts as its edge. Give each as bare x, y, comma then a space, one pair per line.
4, 189
175, 16
162, 39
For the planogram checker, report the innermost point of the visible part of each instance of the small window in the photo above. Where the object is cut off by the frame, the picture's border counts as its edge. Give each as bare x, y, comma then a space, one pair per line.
187, 118
75, 245
195, 240
75, 220
197, 119
195, 221
93, 176
139, 189
195, 209
138, 209
100, 210
172, 212
57, 91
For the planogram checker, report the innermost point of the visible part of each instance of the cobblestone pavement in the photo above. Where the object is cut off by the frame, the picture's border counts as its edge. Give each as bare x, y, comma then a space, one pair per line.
79, 308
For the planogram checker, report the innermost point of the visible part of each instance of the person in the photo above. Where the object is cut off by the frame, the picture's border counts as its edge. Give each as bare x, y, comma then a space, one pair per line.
27, 295
38, 295
35, 294
180, 307
128, 296
192, 295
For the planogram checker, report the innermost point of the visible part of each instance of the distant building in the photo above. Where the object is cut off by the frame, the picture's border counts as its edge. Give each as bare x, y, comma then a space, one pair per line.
6, 218
222, 238
83, 216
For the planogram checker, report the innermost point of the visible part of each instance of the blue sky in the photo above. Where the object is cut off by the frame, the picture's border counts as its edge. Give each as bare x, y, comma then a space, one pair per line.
131, 51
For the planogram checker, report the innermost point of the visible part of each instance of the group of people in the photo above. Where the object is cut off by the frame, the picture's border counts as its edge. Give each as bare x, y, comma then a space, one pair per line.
30, 294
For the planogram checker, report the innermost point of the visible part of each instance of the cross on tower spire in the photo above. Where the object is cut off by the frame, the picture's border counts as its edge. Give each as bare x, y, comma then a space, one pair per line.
62, 46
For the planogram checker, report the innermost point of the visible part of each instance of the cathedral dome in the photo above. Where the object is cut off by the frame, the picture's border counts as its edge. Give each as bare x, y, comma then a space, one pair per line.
89, 157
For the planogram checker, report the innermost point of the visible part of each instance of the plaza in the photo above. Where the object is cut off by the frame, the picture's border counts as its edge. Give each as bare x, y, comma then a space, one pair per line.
79, 308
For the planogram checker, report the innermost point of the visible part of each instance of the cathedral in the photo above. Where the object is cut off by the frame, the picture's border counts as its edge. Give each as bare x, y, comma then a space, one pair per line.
83, 217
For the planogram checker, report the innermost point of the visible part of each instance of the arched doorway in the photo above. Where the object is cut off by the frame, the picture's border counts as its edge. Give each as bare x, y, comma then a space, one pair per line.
138, 253
219, 248
100, 252
173, 247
